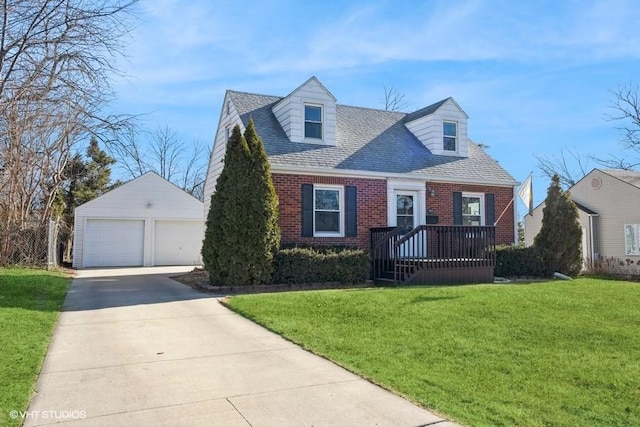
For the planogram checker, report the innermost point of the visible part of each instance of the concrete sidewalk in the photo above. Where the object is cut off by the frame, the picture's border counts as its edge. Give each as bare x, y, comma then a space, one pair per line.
144, 350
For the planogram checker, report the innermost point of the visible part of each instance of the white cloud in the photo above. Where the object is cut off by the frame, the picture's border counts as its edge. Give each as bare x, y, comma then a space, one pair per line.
515, 67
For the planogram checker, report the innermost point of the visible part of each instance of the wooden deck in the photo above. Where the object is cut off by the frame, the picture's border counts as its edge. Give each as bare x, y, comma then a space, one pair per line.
433, 254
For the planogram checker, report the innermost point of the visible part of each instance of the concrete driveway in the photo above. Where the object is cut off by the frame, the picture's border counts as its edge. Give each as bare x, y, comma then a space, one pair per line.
144, 350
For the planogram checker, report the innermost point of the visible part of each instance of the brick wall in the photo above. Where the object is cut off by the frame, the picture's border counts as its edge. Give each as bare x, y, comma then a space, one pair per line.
442, 205
371, 200
372, 207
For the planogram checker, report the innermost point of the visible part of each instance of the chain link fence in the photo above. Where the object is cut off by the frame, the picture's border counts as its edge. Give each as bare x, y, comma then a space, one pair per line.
33, 243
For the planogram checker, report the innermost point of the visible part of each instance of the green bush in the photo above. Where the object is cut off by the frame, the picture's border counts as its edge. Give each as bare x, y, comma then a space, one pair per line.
242, 233
318, 265
559, 241
518, 261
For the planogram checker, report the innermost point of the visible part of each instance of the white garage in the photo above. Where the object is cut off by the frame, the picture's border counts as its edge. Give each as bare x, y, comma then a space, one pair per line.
146, 222
176, 242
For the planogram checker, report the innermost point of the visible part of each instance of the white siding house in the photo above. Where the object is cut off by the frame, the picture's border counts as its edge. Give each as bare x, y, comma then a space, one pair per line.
433, 124
607, 202
290, 112
146, 222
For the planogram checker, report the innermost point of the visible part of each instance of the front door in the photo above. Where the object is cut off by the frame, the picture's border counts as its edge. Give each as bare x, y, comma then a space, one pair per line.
406, 212
407, 219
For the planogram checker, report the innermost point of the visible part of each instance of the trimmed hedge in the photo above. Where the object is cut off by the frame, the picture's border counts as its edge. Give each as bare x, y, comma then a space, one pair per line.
518, 261
318, 265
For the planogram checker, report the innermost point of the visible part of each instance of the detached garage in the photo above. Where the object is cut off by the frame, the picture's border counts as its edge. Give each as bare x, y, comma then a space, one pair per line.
146, 222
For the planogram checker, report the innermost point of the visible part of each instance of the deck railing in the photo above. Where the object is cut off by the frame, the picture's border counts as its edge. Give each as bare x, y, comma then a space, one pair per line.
382, 240
428, 247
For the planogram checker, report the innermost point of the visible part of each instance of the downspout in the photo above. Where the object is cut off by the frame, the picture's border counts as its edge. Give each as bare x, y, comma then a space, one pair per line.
592, 237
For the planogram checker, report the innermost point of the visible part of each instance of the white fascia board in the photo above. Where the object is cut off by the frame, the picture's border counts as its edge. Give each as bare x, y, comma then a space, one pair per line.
347, 173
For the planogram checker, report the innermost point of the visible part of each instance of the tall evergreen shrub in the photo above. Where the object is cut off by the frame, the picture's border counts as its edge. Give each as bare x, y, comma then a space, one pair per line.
242, 231
263, 229
560, 238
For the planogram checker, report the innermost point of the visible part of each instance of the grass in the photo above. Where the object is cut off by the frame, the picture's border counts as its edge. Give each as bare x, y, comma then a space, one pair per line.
563, 353
30, 301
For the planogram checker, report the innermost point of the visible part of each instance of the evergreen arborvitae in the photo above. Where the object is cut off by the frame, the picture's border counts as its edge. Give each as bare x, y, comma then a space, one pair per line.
560, 238
222, 250
263, 229
242, 233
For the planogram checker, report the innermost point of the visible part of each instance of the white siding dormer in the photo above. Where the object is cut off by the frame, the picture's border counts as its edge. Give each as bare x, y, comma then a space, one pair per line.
229, 117
443, 130
311, 104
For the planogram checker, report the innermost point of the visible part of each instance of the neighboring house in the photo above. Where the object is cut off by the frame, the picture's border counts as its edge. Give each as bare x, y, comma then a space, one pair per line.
608, 212
146, 222
340, 171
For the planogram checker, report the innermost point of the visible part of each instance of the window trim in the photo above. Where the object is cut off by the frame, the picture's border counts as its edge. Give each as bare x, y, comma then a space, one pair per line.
305, 121
455, 137
483, 215
635, 229
341, 210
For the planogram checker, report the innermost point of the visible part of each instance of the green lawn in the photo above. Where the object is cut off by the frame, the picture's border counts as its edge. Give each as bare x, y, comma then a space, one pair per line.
30, 301
562, 353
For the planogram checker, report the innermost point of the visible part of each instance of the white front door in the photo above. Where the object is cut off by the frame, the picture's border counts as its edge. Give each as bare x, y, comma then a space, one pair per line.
407, 218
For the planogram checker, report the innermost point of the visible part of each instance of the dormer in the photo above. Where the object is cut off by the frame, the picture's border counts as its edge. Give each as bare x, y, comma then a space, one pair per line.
441, 127
308, 114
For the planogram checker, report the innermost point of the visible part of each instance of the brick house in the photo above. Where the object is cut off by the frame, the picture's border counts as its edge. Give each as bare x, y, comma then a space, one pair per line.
341, 171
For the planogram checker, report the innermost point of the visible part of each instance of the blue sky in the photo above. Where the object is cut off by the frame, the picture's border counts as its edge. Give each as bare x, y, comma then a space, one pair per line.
534, 76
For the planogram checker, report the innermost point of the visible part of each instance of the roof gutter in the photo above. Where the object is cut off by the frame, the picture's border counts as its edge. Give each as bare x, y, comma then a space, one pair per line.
347, 173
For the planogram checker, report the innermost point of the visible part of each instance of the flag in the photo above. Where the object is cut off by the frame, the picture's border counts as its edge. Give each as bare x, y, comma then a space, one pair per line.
525, 192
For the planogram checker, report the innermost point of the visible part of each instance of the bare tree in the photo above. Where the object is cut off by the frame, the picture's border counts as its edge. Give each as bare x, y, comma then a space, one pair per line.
393, 100
626, 107
56, 60
165, 153
570, 166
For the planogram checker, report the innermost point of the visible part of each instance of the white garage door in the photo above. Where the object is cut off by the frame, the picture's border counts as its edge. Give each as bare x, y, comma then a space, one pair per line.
114, 243
177, 242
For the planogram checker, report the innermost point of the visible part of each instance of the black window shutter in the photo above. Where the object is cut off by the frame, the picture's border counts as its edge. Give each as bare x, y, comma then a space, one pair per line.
489, 209
307, 210
351, 209
457, 208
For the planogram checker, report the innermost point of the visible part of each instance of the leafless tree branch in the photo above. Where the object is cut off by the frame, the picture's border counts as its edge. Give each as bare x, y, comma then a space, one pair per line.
393, 100
570, 166
165, 153
56, 62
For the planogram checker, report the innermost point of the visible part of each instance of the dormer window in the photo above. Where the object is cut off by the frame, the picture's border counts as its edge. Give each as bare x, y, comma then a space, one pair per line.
449, 136
313, 121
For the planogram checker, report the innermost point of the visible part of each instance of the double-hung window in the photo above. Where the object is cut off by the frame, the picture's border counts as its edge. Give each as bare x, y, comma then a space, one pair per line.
632, 239
313, 121
328, 212
472, 209
449, 136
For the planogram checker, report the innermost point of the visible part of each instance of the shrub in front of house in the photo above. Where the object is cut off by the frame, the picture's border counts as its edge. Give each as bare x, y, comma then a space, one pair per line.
319, 265
560, 238
242, 233
519, 261
614, 268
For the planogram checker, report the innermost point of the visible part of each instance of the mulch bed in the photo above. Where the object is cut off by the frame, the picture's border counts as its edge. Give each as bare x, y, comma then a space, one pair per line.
198, 279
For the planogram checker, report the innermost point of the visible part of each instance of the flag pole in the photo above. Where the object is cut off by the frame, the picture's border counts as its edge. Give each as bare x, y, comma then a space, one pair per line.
528, 202
505, 210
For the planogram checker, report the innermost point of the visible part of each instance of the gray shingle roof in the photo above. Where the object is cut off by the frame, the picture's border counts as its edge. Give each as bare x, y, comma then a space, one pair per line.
631, 177
366, 140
